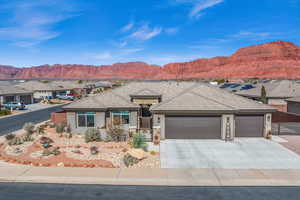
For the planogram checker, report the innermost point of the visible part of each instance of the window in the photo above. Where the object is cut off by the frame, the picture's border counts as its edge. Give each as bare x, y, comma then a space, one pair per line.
120, 118
86, 119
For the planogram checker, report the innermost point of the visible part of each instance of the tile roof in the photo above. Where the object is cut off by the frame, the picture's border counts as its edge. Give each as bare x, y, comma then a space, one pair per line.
279, 89
12, 89
182, 96
295, 99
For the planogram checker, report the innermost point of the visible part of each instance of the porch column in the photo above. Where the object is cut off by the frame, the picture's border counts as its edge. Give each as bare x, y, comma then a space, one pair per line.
267, 124
159, 125
228, 127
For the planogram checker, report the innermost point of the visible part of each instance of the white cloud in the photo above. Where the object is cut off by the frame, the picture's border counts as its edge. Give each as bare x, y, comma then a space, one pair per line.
33, 22
145, 32
252, 35
172, 31
101, 56
127, 27
198, 6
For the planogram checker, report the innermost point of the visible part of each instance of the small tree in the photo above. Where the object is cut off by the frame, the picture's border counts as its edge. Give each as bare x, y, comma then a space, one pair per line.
92, 135
29, 128
263, 95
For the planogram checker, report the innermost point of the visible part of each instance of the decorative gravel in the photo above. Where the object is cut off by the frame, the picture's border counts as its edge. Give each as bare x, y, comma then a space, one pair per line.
152, 161
85, 154
17, 150
39, 154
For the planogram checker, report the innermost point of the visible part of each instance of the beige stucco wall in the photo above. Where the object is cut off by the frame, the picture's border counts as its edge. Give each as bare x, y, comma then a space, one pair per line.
277, 102
227, 126
267, 123
159, 123
42, 94
72, 122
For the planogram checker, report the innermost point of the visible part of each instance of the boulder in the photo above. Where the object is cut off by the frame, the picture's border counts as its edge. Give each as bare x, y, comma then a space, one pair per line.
137, 153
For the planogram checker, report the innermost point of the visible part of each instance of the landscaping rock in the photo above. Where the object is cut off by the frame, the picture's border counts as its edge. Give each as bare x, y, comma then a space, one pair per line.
137, 153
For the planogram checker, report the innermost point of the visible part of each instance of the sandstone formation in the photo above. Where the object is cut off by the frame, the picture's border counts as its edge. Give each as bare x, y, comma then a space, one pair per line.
278, 59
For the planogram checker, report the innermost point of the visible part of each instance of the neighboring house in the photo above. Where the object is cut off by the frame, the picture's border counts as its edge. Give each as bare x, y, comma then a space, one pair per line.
9, 93
276, 93
293, 105
175, 110
50, 89
236, 87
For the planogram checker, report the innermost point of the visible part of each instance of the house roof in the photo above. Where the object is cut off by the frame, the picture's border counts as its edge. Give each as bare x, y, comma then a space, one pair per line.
295, 99
107, 100
183, 96
145, 92
209, 98
12, 89
51, 85
279, 89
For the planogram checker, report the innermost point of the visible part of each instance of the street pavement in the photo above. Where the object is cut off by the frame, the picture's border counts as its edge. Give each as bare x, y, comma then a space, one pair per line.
16, 191
16, 122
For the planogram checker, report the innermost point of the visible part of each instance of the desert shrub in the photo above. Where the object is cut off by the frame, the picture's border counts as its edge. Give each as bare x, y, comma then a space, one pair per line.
59, 128
5, 112
94, 150
15, 141
48, 152
46, 141
29, 128
130, 160
116, 133
92, 135
139, 142
10, 136
153, 153
40, 130
28, 138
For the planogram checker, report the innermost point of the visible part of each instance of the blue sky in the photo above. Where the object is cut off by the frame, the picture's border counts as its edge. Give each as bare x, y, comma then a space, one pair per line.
35, 32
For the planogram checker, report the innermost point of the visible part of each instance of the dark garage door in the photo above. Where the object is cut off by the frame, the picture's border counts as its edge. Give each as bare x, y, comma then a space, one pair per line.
249, 126
26, 99
193, 127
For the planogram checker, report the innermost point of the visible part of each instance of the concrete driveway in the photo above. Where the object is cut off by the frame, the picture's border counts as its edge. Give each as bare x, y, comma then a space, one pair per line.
243, 153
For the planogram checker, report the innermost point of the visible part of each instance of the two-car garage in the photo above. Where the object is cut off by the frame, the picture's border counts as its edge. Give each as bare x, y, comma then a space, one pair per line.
193, 127
209, 127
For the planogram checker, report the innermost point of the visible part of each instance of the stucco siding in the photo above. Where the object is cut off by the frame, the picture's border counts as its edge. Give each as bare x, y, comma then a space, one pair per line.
277, 101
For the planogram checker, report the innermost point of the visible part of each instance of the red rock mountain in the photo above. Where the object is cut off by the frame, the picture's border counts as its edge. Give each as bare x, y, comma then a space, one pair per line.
278, 59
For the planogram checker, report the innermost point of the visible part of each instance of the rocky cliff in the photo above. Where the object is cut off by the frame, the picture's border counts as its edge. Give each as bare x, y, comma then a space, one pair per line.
278, 59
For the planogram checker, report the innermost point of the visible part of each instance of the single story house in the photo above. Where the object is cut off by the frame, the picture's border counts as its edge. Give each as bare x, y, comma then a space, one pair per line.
9, 93
50, 89
293, 105
174, 110
276, 92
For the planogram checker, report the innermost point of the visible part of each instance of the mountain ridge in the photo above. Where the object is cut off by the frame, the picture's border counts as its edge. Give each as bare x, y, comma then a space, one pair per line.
278, 59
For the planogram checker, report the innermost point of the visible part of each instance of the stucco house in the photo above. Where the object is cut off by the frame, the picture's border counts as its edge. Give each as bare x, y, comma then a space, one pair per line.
276, 92
9, 93
174, 110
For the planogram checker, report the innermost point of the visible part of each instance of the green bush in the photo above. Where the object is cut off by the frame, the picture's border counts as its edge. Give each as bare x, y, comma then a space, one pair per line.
10, 136
139, 142
130, 160
5, 112
48, 152
92, 135
29, 128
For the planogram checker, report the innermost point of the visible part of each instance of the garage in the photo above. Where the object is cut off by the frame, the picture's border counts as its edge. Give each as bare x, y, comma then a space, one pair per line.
26, 99
193, 127
249, 125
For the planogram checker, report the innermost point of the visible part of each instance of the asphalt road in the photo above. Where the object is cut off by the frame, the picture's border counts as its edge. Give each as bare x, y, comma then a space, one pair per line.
16, 122
16, 191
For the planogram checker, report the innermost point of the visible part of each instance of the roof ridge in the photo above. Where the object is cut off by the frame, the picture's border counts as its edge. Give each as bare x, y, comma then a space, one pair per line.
193, 92
179, 94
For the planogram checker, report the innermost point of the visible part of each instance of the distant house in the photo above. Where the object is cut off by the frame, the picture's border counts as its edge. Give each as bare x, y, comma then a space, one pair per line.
293, 105
9, 93
175, 110
276, 92
50, 89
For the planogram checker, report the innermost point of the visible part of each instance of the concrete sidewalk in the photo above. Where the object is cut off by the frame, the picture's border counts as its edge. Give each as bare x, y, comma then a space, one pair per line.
170, 177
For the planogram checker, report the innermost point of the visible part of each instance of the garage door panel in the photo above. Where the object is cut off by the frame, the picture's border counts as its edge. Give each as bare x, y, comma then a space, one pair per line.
249, 126
186, 127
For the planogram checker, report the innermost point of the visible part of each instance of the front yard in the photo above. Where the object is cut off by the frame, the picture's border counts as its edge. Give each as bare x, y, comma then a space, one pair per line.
46, 145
